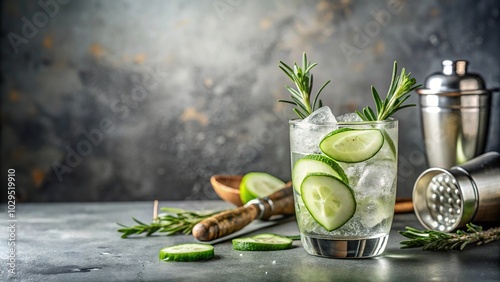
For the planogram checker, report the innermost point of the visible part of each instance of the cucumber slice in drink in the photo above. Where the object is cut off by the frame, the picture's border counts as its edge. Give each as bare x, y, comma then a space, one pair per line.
262, 242
328, 199
257, 185
352, 145
187, 252
315, 163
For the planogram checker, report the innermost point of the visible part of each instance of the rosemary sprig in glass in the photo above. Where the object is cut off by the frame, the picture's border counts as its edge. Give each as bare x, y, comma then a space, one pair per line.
303, 80
442, 241
172, 222
399, 91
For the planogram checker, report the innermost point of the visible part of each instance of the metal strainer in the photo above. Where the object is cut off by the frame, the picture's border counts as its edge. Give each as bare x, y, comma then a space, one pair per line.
445, 200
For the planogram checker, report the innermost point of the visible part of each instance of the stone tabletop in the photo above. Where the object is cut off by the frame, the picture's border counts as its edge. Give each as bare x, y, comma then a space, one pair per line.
79, 242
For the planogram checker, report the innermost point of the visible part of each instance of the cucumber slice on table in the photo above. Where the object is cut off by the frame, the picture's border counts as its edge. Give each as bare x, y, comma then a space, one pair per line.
352, 145
187, 252
262, 242
315, 163
258, 185
328, 199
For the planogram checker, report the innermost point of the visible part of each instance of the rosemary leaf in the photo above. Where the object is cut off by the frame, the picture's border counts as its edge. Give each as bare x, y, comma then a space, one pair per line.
303, 80
442, 241
136, 220
399, 91
317, 94
299, 113
174, 221
286, 101
376, 98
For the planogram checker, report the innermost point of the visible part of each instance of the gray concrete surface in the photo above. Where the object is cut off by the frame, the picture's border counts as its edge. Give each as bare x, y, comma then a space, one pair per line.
79, 242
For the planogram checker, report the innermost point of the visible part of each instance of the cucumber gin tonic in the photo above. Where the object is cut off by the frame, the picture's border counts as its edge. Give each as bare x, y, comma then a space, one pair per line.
344, 173
344, 178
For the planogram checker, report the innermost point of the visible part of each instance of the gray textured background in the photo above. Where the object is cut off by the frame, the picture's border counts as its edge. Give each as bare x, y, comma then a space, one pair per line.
172, 92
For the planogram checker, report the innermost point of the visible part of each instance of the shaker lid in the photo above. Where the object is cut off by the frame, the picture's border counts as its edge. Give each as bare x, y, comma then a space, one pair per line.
454, 79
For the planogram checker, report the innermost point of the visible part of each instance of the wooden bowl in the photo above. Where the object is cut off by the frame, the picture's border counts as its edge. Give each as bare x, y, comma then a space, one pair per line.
228, 188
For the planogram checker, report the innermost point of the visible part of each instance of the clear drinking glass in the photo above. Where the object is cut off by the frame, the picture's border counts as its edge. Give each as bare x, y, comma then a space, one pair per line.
373, 181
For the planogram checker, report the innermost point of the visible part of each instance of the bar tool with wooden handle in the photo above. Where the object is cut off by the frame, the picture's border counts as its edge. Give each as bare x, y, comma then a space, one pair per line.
225, 223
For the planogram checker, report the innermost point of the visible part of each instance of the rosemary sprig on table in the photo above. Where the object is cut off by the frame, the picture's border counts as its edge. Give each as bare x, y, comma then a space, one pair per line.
442, 241
399, 91
303, 79
174, 221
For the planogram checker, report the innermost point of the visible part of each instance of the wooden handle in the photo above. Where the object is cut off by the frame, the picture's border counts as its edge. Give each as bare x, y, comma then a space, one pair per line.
225, 223
282, 202
403, 206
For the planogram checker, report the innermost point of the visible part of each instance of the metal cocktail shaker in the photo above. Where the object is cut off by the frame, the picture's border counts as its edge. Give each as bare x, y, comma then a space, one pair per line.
455, 108
446, 199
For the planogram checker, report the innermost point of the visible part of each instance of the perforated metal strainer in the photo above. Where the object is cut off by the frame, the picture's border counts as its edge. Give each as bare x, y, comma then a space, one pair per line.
445, 200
